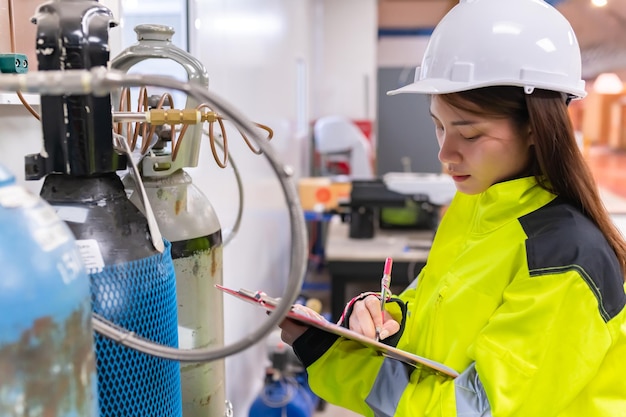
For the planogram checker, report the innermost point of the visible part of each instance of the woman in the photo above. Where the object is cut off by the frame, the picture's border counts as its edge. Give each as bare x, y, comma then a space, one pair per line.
523, 291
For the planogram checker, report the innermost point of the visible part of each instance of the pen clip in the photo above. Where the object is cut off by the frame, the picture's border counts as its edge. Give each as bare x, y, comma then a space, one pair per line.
384, 290
385, 281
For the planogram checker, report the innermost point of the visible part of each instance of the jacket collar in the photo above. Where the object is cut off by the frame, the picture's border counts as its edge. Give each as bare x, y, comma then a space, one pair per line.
502, 203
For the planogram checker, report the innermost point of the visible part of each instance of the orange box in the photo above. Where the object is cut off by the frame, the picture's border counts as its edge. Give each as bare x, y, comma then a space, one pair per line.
322, 193
596, 123
617, 133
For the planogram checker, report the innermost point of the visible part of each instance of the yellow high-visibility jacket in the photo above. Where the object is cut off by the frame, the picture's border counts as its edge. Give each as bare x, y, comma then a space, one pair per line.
521, 294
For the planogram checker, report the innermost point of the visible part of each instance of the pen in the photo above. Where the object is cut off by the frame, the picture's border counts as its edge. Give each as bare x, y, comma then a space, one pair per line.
384, 289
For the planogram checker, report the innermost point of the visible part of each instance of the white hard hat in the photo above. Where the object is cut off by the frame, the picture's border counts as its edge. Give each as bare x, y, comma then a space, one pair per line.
481, 43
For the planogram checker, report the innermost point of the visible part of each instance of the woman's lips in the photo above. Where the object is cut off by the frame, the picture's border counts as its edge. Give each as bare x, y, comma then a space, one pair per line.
460, 178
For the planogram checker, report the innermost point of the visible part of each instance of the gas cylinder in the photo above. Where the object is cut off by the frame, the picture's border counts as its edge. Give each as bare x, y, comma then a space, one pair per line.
47, 364
131, 274
286, 391
186, 218
283, 397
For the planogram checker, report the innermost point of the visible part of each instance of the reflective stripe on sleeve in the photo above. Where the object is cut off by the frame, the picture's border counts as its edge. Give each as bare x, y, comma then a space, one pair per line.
390, 383
471, 399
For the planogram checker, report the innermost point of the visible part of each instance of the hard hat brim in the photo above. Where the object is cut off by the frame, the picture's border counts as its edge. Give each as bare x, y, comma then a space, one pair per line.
429, 87
442, 86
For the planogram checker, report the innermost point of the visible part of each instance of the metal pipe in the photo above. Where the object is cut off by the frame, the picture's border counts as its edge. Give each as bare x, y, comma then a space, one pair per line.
130, 116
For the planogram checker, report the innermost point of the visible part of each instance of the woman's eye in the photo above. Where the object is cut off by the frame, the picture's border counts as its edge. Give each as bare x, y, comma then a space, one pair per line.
470, 138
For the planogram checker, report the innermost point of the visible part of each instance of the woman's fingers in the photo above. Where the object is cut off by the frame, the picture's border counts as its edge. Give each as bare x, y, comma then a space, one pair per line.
291, 330
390, 327
367, 317
304, 310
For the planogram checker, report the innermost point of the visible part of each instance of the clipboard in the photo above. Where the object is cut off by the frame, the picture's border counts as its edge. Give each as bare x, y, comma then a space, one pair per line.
296, 313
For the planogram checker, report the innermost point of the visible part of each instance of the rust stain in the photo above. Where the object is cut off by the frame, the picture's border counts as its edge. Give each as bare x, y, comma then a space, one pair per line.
205, 401
178, 206
213, 262
196, 266
48, 365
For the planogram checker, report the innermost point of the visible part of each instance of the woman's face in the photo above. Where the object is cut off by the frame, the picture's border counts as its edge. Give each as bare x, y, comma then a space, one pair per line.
478, 151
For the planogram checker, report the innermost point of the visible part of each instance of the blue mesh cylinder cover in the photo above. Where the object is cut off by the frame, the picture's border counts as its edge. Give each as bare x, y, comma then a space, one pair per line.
141, 297
132, 285
47, 362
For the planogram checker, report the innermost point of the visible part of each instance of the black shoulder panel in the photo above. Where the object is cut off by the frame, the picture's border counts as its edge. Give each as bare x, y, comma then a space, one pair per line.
561, 238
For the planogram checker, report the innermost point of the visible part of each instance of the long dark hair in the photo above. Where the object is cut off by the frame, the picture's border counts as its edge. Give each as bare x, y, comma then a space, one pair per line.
556, 160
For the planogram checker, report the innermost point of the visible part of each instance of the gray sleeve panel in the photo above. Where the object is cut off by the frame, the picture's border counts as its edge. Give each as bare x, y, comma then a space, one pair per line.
391, 381
471, 399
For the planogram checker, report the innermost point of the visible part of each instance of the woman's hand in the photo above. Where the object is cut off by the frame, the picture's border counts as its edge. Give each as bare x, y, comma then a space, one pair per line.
291, 329
366, 317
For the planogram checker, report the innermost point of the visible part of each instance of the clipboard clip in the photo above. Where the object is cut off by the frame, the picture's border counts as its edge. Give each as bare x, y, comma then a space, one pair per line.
260, 296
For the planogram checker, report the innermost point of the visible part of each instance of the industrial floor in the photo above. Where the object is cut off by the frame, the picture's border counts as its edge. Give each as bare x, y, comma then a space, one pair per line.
609, 170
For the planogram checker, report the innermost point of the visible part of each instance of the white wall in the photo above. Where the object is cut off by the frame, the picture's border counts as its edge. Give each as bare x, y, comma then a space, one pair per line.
115, 37
345, 59
21, 136
258, 56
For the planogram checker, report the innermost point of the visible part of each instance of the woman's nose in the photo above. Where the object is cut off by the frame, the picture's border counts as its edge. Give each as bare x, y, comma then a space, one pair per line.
448, 153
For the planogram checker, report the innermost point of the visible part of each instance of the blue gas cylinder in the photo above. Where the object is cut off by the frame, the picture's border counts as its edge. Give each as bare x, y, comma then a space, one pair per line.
47, 364
284, 397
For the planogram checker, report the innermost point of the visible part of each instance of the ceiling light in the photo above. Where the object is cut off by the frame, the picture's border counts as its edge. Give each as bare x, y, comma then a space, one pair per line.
608, 83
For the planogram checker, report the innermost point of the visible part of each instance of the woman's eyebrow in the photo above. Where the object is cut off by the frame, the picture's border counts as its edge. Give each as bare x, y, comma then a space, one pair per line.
456, 122
463, 122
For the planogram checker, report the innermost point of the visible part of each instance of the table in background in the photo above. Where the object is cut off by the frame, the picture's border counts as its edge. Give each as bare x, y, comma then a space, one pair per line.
362, 260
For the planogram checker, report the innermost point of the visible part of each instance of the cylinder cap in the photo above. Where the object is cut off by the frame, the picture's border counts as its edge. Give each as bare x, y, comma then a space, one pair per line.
152, 32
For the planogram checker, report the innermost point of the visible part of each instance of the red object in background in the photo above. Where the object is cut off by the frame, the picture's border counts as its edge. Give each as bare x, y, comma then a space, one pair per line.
340, 167
323, 195
366, 127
